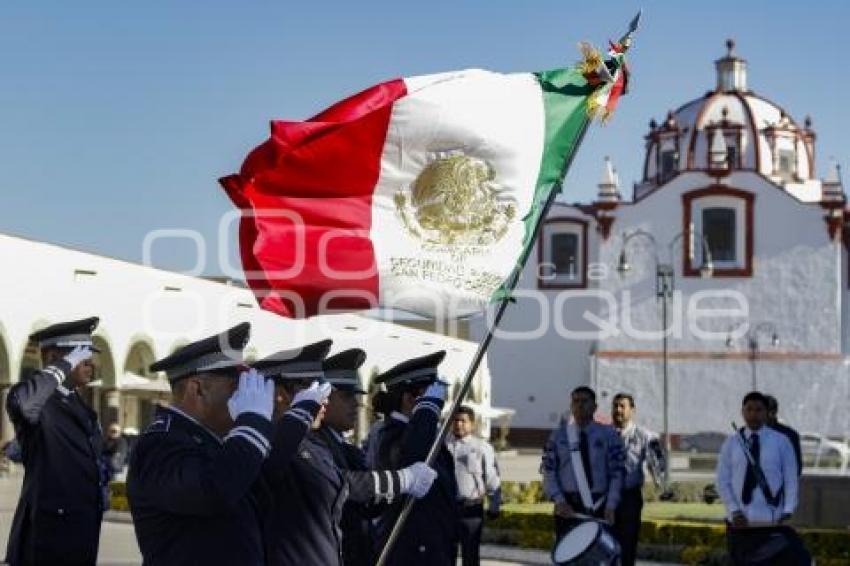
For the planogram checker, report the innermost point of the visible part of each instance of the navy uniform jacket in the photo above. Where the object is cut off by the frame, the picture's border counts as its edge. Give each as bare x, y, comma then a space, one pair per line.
191, 492
429, 535
355, 525
63, 496
309, 493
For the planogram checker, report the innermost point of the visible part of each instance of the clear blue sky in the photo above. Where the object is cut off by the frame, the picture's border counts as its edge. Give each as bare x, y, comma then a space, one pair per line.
117, 117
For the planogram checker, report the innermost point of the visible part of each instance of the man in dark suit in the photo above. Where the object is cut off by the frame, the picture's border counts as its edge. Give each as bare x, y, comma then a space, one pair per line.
58, 517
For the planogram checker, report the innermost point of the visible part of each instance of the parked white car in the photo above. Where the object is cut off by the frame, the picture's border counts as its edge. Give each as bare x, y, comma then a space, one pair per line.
817, 448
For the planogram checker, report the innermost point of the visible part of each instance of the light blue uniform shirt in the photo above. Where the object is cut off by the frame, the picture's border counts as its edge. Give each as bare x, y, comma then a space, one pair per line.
606, 464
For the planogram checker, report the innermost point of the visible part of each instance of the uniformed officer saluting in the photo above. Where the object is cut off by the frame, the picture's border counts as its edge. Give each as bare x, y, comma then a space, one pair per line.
310, 490
341, 417
412, 406
63, 496
191, 473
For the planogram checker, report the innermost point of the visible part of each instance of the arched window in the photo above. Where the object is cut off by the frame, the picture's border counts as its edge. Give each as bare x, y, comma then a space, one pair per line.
724, 216
733, 154
719, 226
669, 164
562, 254
732, 137
786, 164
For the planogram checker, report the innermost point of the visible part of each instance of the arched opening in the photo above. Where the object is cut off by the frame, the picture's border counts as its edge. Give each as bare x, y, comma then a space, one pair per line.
139, 359
30, 361
138, 404
5, 370
31, 355
177, 345
100, 399
6, 430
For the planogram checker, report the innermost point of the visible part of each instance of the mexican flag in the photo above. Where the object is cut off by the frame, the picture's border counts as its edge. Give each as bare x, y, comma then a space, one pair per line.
418, 193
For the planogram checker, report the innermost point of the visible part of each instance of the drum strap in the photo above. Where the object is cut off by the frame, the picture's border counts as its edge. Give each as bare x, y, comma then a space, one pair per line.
579, 471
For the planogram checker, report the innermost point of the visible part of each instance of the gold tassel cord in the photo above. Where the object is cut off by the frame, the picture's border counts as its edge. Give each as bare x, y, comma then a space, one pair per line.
591, 58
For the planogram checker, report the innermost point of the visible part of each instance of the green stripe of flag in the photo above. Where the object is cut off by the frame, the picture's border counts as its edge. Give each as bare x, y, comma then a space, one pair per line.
565, 95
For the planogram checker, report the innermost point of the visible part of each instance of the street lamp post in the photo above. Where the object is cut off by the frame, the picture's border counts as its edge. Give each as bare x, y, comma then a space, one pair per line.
664, 287
754, 333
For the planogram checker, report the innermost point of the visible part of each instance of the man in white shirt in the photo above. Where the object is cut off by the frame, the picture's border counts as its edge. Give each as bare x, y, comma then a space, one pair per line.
642, 447
757, 481
477, 477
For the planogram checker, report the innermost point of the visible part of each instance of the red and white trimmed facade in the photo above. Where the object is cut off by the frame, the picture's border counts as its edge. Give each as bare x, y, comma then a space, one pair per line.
736, 167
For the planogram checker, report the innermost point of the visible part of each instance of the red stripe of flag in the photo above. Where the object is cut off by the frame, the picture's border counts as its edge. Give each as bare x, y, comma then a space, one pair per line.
306, 197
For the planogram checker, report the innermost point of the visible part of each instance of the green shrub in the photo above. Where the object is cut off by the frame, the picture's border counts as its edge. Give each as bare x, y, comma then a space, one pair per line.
118, 489
523, 492
679, 532
703, 556
118, 496
119, 503
532, 492
537, 539
701, 543
679, 492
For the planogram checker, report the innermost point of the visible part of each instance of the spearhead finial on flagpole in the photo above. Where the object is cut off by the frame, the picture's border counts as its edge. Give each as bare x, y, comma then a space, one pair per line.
626, 41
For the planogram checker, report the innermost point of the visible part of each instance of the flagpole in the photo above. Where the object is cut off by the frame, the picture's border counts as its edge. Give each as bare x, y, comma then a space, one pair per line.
483, 345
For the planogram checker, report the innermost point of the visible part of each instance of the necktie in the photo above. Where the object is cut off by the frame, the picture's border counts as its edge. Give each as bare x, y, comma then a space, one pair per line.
750, 479
584, 448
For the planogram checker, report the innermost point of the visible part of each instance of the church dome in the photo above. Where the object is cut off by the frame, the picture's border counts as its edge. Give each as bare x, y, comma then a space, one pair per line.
732, 128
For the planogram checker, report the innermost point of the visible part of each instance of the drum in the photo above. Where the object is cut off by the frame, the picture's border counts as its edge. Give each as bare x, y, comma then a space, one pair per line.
588, 543
776, 545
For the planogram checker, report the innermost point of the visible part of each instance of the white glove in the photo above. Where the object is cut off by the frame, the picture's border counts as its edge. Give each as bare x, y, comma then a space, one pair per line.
316, 393
437, 390
78, 355
255, 394
417, 479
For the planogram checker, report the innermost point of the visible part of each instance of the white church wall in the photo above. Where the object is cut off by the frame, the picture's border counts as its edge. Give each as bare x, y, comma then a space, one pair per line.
844, 292
533, 366
795, 281
705, 394
796, 285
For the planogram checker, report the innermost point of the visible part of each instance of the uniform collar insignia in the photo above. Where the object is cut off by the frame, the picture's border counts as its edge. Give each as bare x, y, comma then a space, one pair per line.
336, 436
162, 423
195, 422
